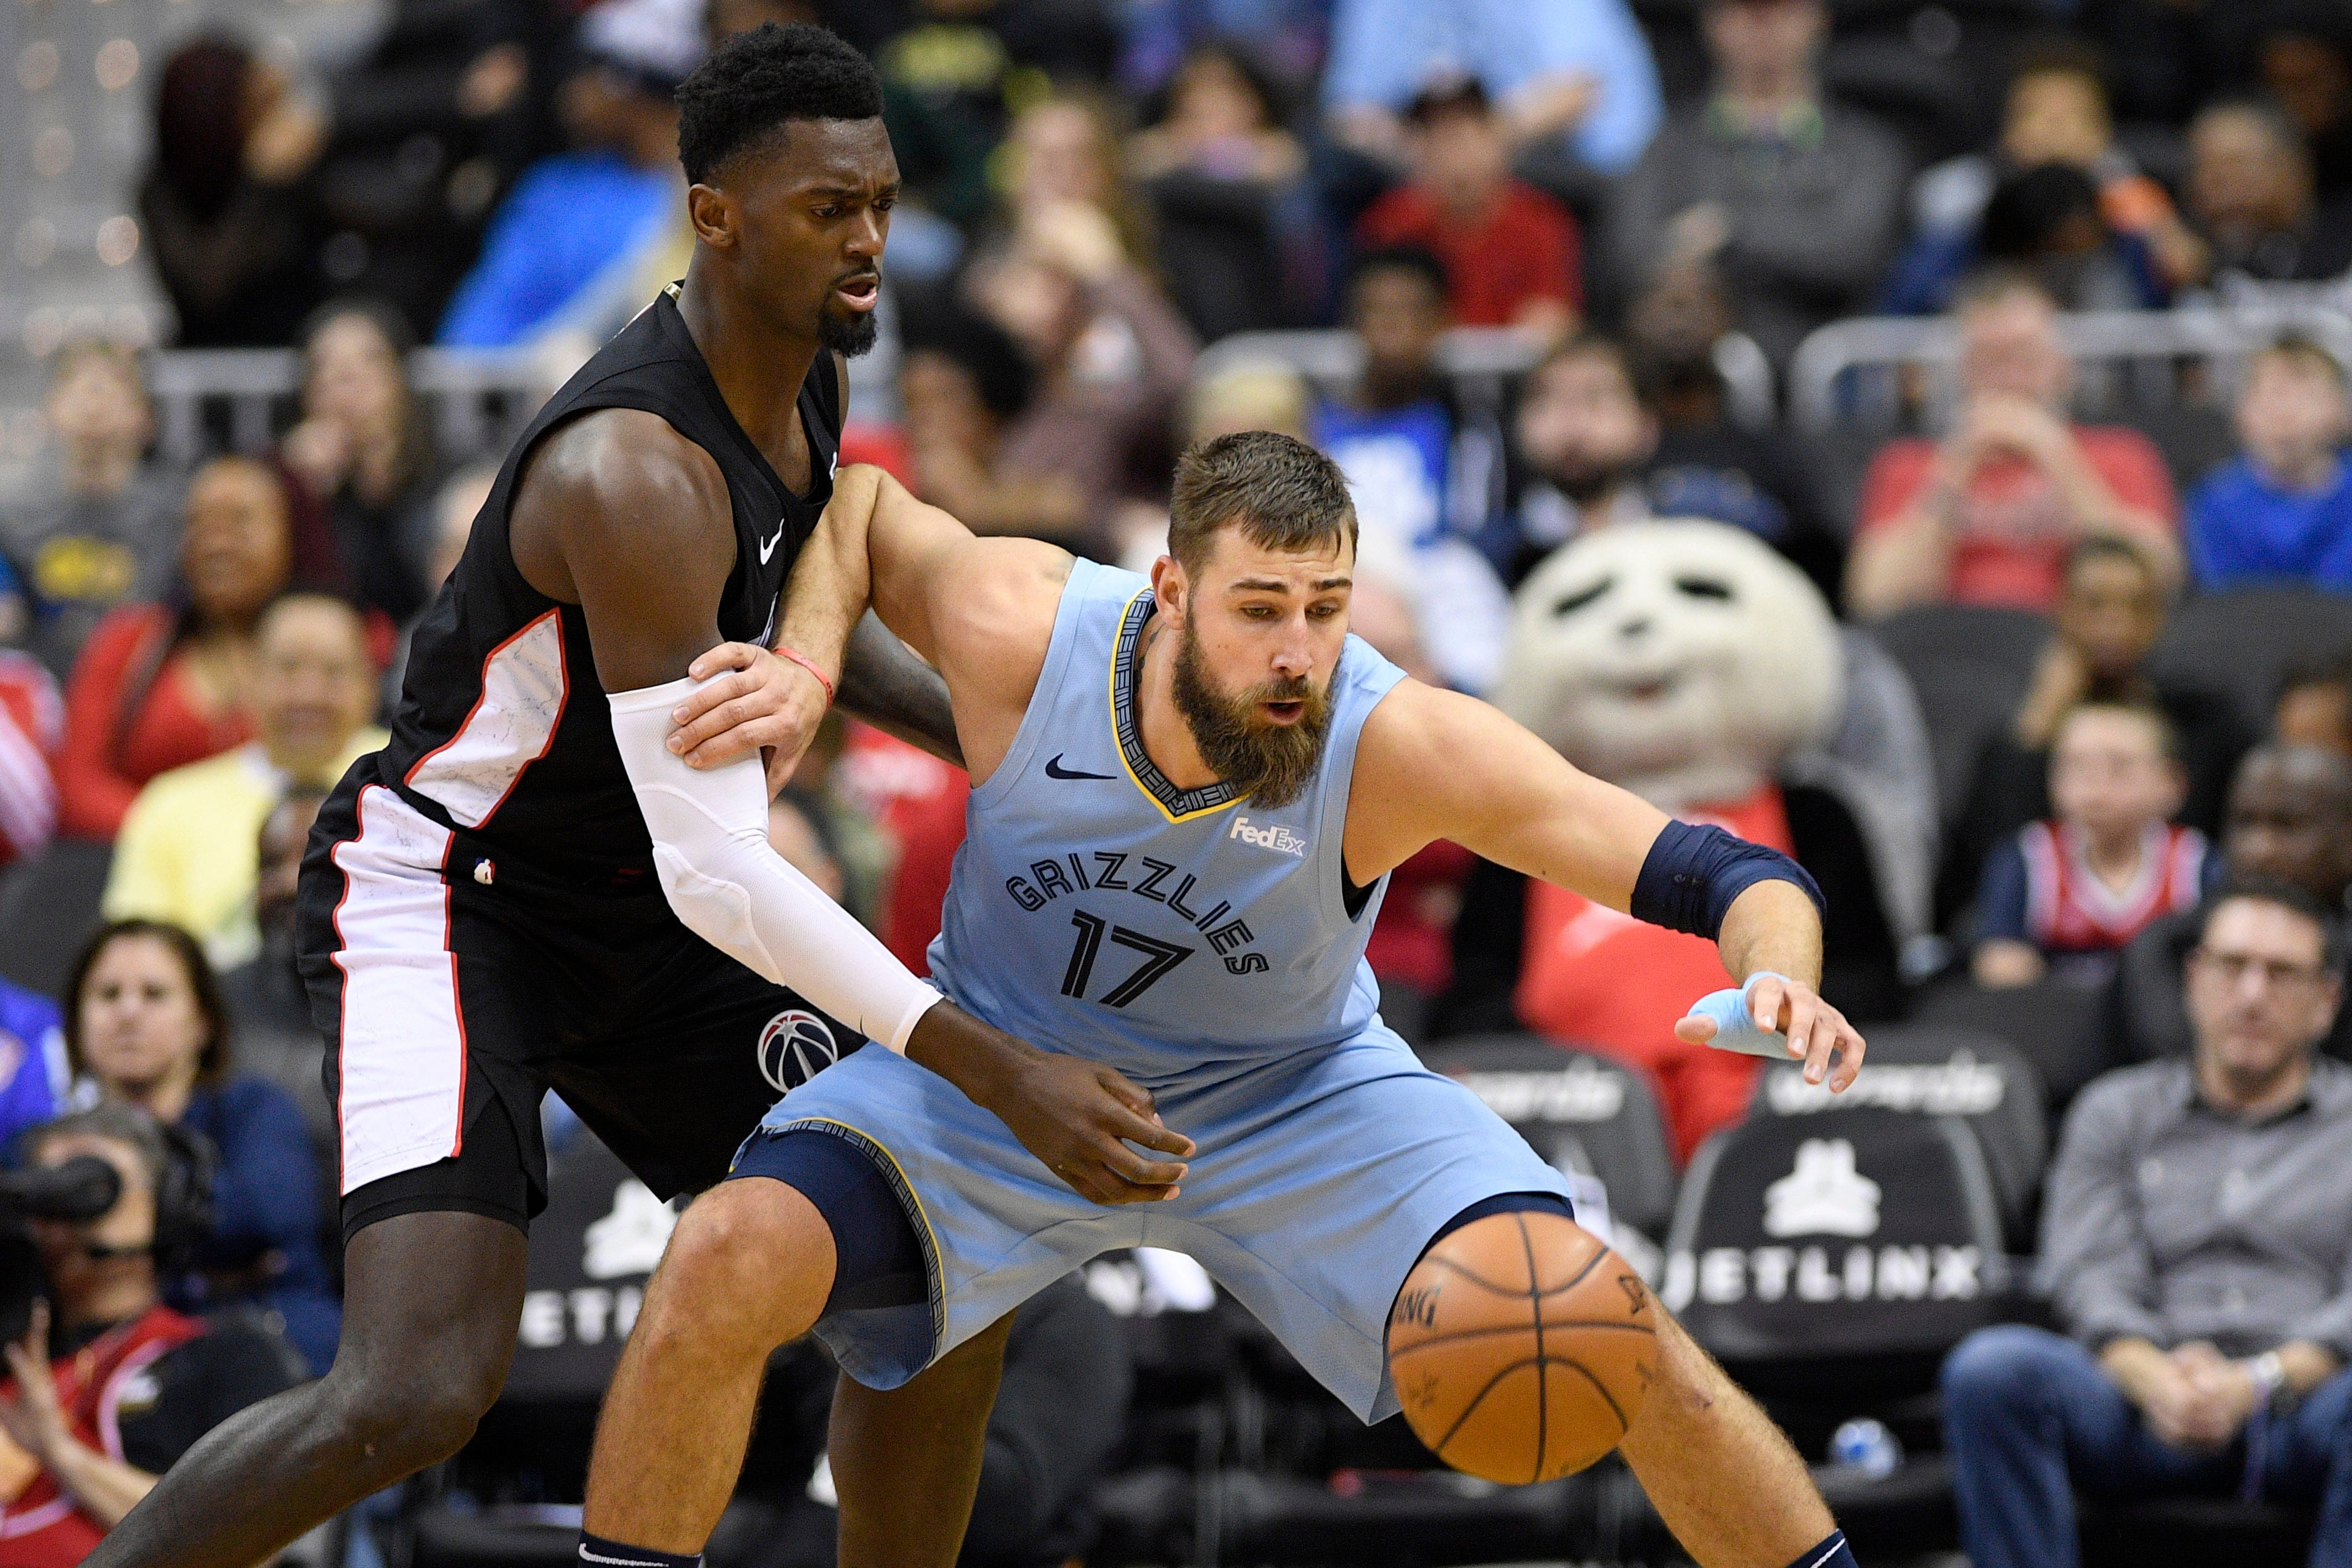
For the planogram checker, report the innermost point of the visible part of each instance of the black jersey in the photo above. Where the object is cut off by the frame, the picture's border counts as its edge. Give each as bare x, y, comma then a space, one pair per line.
502, 730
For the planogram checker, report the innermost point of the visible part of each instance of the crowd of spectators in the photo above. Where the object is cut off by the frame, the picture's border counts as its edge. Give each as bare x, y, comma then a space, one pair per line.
1627, 201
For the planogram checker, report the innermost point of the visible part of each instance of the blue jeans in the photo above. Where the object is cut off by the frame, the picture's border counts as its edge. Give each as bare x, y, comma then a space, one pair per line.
2029, 1416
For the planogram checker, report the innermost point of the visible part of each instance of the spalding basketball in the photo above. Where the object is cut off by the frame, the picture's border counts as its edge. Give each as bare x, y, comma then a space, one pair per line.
1522, 1349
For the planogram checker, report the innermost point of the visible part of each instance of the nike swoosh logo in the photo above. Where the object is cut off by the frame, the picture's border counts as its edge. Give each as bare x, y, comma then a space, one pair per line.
768, 547
1055, 770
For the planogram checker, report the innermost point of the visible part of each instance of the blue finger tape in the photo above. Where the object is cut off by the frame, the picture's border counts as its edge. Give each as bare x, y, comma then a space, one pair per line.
1734, 1021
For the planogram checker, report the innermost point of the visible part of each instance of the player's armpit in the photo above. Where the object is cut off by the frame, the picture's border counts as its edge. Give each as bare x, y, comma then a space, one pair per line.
1436, 765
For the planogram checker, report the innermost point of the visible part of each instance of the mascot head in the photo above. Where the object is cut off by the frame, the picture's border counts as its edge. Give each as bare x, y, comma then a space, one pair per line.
1682, 661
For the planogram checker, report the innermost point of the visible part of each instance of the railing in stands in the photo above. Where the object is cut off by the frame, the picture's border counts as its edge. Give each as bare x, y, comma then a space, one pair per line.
1869, 373
477, 401
1481, 362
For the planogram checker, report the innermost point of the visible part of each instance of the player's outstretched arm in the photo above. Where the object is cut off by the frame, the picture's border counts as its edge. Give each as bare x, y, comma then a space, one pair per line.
1436, 765
626, 518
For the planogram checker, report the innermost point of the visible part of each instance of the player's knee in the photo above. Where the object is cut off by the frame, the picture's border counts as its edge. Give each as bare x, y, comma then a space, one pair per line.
748, 1268
400, 1423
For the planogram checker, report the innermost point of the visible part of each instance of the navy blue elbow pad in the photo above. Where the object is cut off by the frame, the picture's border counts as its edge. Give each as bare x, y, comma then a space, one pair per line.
1693, 873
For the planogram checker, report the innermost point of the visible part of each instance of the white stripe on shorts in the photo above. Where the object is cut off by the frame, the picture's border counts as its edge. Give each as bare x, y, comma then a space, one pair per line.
403, 1054
512, 724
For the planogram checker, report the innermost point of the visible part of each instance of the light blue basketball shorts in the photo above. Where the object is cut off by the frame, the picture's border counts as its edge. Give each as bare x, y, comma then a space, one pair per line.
1319, 1179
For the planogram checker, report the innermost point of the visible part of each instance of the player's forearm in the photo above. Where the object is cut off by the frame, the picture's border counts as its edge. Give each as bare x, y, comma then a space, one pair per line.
831, 582
885, 684
1773, 926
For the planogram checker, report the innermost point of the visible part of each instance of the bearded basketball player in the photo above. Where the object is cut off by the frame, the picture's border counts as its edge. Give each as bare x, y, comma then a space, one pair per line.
526, 889
1187, 792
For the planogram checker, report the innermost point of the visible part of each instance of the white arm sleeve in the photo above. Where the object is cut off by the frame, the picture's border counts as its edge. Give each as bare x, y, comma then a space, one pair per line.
710, 848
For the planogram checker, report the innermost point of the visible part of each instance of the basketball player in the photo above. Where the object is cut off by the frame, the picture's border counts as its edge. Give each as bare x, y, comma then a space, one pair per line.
525, 888
1186, 794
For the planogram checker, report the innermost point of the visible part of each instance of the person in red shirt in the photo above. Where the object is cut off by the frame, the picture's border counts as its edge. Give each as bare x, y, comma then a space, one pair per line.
1510, 251
1987, 515
160, 686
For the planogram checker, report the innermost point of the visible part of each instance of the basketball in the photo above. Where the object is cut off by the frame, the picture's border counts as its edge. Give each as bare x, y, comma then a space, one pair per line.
1522, 1348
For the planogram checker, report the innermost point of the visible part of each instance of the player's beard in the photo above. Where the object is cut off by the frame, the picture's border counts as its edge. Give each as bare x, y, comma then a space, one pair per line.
1268, 764
846, 333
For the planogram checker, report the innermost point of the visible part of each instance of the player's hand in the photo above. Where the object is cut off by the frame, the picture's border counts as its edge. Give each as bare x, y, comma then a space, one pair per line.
758, 702
1814, 1031
1077, 1118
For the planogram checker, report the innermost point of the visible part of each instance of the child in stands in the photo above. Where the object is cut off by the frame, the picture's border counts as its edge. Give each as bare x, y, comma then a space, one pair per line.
2282, 510
2069, 893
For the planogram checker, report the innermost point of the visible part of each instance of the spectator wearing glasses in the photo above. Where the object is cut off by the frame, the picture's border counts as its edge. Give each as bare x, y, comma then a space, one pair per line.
2197, 1234
2289, 820
1987, 515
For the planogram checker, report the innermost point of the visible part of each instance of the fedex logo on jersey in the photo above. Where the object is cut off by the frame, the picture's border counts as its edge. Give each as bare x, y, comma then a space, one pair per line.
1273, 835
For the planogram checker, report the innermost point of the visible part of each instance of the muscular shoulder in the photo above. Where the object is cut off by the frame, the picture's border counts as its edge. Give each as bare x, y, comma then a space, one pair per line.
616, 480
994, 610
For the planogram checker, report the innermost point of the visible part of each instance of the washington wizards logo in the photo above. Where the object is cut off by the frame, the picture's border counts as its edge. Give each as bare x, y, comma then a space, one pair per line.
794, 1046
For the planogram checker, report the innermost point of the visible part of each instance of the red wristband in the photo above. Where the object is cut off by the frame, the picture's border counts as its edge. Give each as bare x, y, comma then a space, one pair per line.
802, 660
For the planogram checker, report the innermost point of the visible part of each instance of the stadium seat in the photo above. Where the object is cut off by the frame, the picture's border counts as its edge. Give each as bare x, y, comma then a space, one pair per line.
1939, 1071
2238, 642
1851, 1234
48, 907
1580, 1111
2193, 1533
2054, 1023
1969, 665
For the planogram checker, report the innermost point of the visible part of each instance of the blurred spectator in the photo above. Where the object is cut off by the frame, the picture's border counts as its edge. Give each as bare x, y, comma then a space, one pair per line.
1987, 515
1112, 361
365, 450
832, 838
226, 204
2250, 196
185, 852
950, 77
449, 103
32, 720
100, 523
585, 227
146, 1026
2314, 704
1797, 201
1216, 170
162, 684
268, 1008
110, 1385
2110, 613
2128, 244
963, 384
1583, 438
1574, 78
2283, 507
1510, 250
451, 514
2290, 820
32, 1062
1249, 396
1411, 945
1286, 37
2304, 56
1423, 474
2070, 892
1063, 150
2198, 1236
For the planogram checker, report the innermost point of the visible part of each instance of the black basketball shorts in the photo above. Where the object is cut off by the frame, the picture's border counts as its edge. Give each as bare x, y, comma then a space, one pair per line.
456, 988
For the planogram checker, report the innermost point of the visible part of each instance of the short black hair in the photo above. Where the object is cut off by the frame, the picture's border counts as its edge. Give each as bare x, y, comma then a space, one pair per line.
755, 82
2271, 890
2027, 210
1417, 260
1281, 492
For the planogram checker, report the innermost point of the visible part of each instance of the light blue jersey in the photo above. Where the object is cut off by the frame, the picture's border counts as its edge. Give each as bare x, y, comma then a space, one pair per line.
1206, 948
1097, 909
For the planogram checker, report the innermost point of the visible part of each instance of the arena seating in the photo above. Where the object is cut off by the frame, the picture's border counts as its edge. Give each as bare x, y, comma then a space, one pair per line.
1969, 665
2052, 1021
48, 905
2239, 642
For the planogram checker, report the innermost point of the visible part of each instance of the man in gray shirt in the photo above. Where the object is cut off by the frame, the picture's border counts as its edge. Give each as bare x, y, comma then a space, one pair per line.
2197, 1238
1796, 201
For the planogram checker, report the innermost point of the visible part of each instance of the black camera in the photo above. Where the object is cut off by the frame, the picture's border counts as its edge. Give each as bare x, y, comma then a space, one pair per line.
85, 1187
